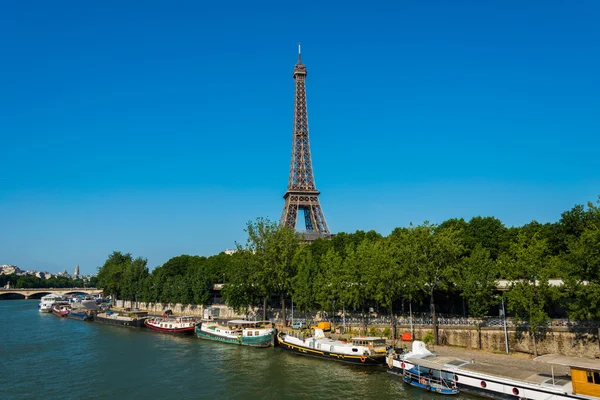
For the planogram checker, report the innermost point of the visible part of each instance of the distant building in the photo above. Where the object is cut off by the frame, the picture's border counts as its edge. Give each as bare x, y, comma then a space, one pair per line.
9, 269
229, 252
76, 273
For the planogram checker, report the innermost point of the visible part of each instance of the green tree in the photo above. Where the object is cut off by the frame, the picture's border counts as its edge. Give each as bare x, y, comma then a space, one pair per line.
278, 267
476, 279
529, 268
330, 281
111, 274
304, 288
385, 274
433, 254
240, 290
581, 266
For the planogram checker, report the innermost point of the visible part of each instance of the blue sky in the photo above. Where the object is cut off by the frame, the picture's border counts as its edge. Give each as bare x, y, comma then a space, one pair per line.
161, 128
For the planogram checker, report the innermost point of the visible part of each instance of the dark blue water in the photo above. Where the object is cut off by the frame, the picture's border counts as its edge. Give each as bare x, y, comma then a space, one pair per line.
46, 357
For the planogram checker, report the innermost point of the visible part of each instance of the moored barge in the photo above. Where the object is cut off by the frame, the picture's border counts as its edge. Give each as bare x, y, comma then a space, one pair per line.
131, 319
240, 332
506, 383
173, 325
360, 350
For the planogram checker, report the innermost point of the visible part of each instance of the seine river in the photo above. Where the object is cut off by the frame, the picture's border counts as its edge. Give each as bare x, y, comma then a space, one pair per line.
44, 357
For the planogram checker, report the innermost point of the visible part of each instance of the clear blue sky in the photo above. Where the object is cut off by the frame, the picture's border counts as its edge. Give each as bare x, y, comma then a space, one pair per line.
161, 128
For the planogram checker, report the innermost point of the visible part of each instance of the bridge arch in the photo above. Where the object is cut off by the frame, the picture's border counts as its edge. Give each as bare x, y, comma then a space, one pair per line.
77, 292
37, 295
12, 296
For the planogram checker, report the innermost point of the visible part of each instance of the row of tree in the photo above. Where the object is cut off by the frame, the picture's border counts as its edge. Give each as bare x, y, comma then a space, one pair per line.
413, 264
33, 282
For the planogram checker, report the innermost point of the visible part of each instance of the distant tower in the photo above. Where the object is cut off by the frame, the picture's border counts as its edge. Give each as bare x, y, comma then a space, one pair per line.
301, 193
76, 273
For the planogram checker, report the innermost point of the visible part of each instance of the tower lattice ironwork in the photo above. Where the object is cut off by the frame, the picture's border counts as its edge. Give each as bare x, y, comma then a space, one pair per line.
302, 193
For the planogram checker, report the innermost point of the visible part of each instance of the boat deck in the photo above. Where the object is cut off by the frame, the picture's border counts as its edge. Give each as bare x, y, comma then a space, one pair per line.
502, 366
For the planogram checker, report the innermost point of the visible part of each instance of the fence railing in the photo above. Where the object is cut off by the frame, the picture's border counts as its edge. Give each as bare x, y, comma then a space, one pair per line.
352, 319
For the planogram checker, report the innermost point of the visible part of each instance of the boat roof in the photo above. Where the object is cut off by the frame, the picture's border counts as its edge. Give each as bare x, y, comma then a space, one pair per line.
245, 322
424, 363
574, 362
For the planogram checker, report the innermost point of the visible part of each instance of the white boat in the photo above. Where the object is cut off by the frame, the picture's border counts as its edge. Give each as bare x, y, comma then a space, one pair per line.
237, 331
48, 301
498, 382
359, 350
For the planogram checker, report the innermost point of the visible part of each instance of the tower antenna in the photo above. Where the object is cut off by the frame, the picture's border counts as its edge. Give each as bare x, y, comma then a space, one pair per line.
299, 53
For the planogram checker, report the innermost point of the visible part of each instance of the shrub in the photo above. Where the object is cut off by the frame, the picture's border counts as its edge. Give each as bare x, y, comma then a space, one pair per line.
428, 339
387, 332
373, 331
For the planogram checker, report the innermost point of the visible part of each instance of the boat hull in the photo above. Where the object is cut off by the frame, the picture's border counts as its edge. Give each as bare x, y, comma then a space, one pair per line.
81, 316
173, 331
136, 323
345, 358
60, 313
253, 341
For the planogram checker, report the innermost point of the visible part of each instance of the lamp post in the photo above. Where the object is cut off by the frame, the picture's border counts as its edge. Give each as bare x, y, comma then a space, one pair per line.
505, 330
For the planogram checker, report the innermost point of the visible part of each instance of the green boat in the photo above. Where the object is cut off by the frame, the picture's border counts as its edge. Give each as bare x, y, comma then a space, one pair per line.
238, 331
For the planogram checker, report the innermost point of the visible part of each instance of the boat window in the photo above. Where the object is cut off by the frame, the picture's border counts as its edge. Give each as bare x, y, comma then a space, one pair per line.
590, 378
256, 333
249, 333
483, 384
354, 350
597, 378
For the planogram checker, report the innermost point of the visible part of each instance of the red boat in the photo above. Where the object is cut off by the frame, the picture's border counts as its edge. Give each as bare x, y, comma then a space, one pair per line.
61, 309
180, 325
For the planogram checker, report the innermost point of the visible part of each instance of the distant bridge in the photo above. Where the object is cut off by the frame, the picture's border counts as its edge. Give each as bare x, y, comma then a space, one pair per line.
39, 292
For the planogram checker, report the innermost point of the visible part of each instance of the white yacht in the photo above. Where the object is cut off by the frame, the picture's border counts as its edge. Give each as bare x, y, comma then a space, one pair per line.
48, 301
359, 350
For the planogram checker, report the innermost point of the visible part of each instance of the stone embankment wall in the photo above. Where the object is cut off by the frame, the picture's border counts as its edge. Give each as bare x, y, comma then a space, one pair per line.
554, 341
179, 309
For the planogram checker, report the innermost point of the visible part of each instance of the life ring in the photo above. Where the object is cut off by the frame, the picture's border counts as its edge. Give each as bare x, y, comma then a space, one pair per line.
423, 381
403, 365
363, 359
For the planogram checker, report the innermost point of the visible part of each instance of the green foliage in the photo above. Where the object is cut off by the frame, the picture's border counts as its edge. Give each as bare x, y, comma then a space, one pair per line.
418, 264
529, 269
428, 338
33, 282
477, 275
374, 331
387, 332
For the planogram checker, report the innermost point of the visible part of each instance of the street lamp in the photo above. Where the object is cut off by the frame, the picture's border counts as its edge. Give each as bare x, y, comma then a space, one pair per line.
503, 313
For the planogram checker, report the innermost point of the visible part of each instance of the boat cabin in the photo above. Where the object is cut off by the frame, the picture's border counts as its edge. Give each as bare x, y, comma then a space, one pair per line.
585, 373
250, 328
368, 342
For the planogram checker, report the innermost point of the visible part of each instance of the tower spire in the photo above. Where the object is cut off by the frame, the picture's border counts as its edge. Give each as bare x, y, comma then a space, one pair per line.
301, 193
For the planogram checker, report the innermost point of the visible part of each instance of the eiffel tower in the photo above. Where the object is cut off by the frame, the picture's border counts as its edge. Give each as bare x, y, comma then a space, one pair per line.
301, 193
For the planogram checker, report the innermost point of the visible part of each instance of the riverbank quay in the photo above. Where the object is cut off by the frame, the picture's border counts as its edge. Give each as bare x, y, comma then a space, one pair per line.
566, 337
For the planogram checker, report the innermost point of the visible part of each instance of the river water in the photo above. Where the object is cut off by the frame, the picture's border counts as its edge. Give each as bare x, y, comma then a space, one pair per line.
43, 356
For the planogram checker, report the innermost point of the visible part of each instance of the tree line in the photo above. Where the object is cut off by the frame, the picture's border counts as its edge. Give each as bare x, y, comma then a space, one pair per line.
418, 264
33, 282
